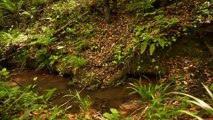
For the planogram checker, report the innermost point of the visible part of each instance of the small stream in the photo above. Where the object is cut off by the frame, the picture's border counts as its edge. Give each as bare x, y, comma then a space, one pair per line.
102, 99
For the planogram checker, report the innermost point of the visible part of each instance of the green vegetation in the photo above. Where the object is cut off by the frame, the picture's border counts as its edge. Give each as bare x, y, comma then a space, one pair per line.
94, 43
155, 95
149, 92
8, 5
114, 115
85, 103
17, 103
4, 74
140, 6
23, 103
146, 37
198, 102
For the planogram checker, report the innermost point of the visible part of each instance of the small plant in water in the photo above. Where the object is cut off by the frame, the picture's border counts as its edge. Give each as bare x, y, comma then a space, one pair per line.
114, 115
85, 103
148, 92
155, 97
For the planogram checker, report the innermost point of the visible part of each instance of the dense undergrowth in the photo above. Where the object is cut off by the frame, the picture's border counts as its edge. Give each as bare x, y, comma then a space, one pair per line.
72, 38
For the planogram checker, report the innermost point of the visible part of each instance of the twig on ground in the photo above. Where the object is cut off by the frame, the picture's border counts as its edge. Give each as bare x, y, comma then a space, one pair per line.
136, 111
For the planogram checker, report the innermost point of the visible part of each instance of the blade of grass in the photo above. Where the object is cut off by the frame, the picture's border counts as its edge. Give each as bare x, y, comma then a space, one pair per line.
190, 113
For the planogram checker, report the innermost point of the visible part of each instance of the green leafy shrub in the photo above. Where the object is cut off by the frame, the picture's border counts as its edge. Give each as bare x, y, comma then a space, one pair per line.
59, 8
44, 39
204, 12
12, 46
66, 63
20, 58
88, 30
163, 22
119, 56
153, 34
12, 37
78, 61
42, 58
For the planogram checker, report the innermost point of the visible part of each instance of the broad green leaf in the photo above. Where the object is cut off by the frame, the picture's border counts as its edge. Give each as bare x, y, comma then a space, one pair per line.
113, 110
107, 115
211, 87
135, 40
161, 42
137, 33
143, 47
152, 49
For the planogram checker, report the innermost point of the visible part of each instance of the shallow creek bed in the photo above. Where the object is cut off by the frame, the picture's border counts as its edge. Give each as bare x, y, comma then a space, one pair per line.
102, 99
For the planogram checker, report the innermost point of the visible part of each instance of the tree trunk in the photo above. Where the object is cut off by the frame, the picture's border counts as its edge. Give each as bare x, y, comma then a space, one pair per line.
106, 10
114, 6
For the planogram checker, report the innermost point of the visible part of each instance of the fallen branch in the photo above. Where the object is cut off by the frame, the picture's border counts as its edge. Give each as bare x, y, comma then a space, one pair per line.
62, 28
144, 111
209, 47
136, 111
17, 83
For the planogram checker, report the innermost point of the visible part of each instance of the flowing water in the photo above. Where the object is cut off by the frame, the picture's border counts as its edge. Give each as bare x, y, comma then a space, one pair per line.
102, 99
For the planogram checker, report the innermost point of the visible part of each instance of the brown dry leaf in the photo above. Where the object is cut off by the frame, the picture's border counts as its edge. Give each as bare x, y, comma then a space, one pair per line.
71, 117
